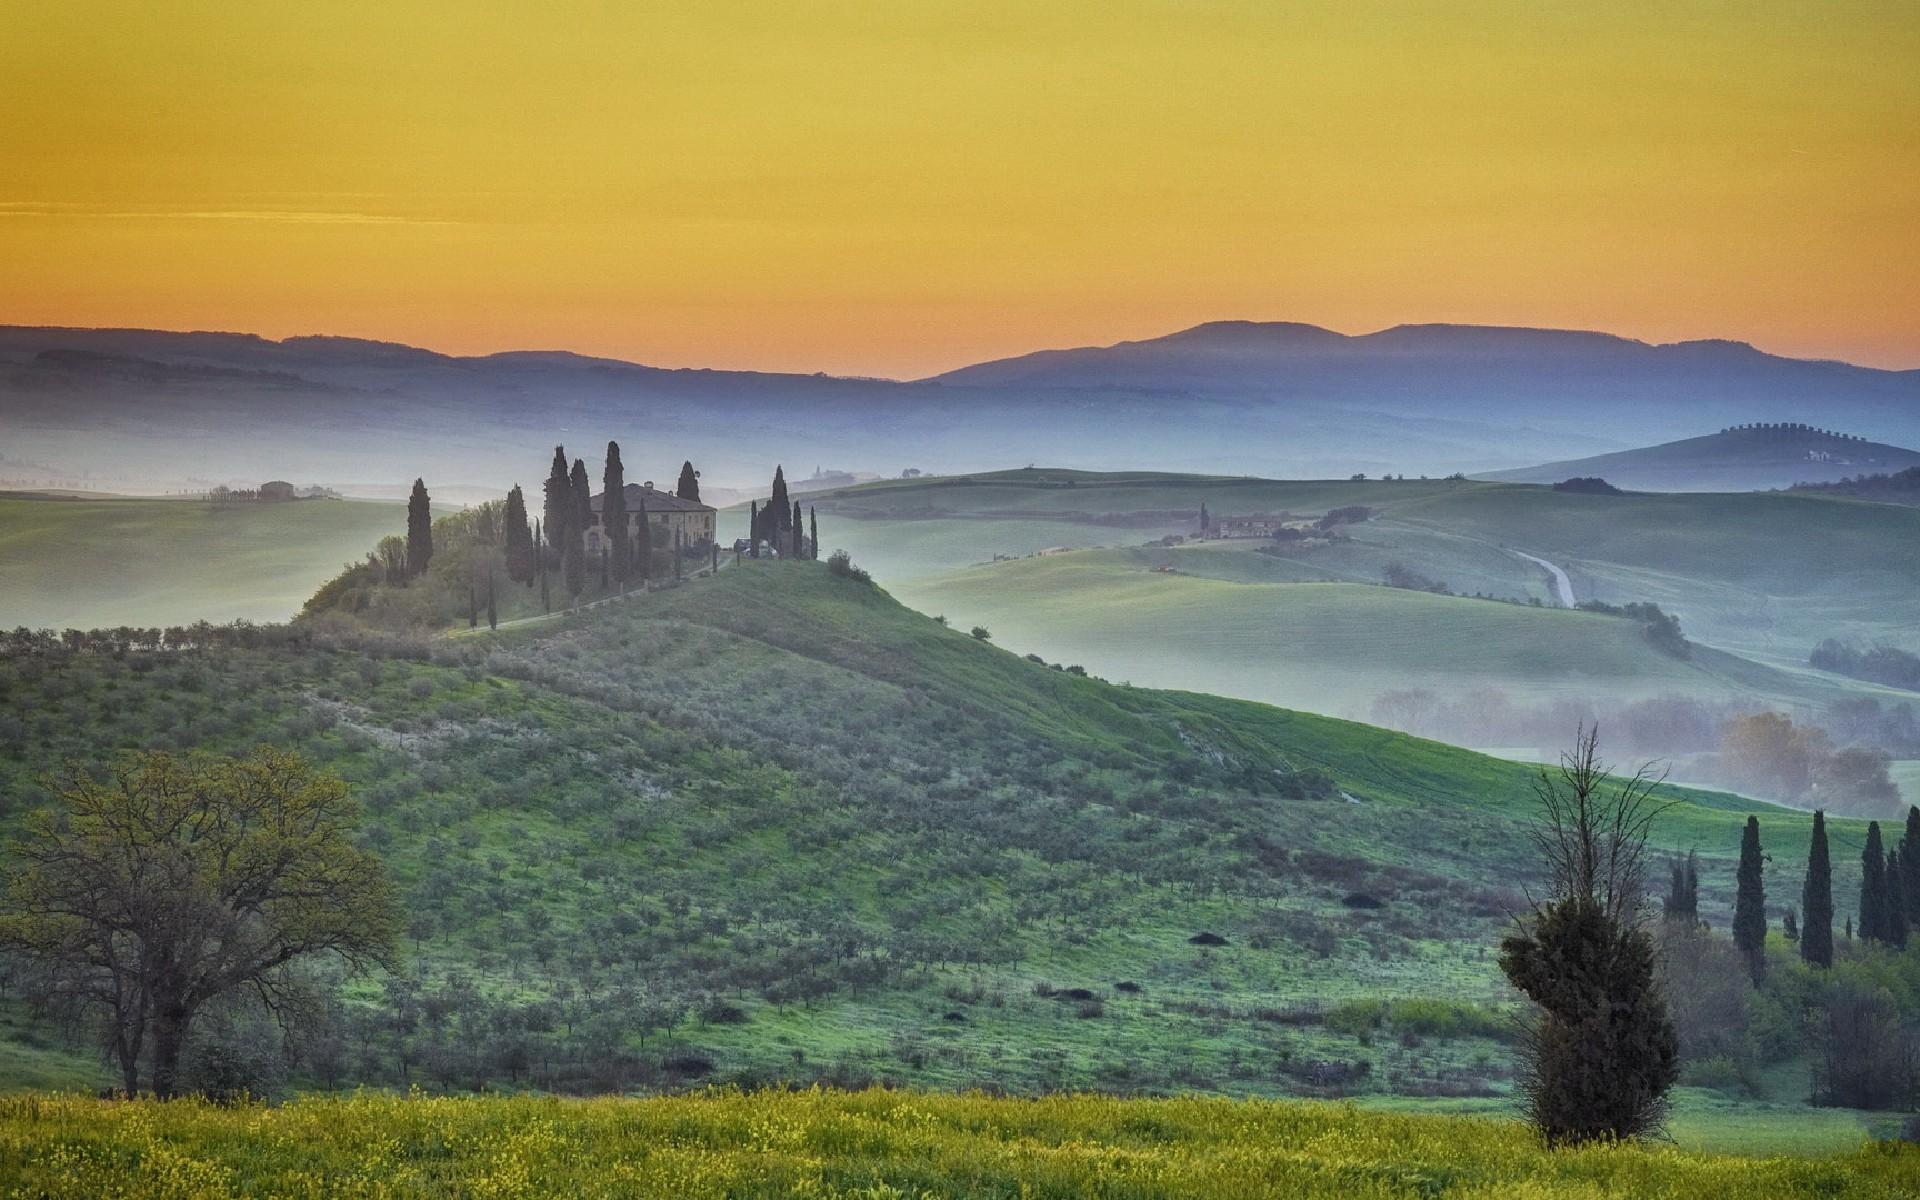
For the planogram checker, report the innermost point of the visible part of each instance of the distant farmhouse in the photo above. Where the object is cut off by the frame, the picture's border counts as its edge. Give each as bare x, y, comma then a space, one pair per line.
687, 523
1257, 526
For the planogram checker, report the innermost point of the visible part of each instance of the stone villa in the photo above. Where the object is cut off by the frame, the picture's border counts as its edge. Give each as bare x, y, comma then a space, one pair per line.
667, 513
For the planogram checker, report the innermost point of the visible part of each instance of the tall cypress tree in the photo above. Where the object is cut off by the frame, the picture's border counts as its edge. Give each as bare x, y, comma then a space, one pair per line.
753, 529
1910, 868
777, 506
689, 486
540, 560
1816, 900
1203, 516
581, 489
799, 529
1750, 903
519, 538
1896, 903
642, 544
558, 509
613, 516
1682, 904
813, 535
419, 530
1873, 888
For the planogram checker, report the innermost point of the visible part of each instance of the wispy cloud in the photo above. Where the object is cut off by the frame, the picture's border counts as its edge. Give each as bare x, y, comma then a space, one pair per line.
43, 209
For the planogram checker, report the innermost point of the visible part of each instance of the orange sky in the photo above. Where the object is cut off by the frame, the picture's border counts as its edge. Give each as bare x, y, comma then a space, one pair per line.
900, 187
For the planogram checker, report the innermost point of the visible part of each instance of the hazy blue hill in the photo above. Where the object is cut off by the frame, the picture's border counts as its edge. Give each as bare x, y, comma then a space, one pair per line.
1226, 397
1738, 459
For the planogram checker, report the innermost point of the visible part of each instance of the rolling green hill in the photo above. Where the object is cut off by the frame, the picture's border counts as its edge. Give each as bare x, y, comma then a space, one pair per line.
1737, 459
1755, 580
85, 563
776, 825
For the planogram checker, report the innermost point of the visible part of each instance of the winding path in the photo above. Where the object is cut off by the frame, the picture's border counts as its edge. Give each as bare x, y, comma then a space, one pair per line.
1562, 586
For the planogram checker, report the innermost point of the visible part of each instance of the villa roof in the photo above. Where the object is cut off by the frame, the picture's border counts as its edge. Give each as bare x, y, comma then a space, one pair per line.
654, 499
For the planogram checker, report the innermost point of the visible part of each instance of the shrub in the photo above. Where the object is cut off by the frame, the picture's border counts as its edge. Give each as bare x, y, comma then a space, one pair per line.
980, 633
840, 563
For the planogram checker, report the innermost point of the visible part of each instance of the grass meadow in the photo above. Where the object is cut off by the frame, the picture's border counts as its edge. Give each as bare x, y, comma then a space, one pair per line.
865, 1144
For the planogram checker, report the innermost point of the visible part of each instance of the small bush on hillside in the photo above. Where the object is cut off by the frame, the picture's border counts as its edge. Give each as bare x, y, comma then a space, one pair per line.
840, 563
980, 633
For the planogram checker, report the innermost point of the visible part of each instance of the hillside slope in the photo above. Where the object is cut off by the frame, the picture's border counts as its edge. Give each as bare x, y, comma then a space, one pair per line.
80, 563
1733, 460
774, 824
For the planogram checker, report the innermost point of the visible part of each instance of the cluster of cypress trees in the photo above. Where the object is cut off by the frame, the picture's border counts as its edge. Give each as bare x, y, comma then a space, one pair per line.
782, 525
1889, 894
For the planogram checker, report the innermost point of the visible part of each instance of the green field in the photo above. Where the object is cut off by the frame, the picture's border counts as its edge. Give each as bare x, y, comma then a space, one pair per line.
864, 1145
1756, 580
87, 563
778, 826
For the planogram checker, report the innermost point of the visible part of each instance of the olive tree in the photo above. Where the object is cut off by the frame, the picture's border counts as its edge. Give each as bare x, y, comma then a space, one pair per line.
162, 883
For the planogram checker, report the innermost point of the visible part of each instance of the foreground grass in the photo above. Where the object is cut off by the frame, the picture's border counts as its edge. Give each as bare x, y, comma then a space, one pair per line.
865, 1144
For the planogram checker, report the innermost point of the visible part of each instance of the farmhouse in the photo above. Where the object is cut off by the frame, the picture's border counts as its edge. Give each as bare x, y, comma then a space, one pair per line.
671, 517
1246, 527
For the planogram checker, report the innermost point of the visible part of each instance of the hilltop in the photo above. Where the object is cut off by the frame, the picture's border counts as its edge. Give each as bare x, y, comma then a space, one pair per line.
775, 825
1743, 458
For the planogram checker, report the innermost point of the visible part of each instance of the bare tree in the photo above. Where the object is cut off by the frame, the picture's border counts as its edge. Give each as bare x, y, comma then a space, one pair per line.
1602, 1053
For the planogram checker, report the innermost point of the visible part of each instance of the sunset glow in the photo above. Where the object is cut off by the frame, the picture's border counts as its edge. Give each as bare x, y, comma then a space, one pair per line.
899, 188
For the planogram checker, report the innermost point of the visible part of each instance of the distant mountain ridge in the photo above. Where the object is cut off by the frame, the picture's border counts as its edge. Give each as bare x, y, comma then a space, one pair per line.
118, 407
1742, 458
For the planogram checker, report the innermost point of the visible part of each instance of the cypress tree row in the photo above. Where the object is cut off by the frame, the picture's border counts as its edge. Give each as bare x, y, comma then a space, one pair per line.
558, 509
1750, 903
419, 530
519, 539
1816, 900
689, 486
1873, 888
613, 518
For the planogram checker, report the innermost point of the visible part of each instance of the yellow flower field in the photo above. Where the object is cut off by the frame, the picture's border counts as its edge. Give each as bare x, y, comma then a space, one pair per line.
868, 1145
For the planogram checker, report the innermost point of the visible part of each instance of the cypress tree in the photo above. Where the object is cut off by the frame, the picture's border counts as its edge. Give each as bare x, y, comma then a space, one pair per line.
1203, 516
581, 489
1816, 900
1789, 925
689, 486
799, 529
777, 518
1750, 903
540, 558
1896, 903
642, 545
1910, 868
813, 535
1873, 888
519, 538
419, 530
573, 568
613, 517
558, 509
1682, 904
753, 529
